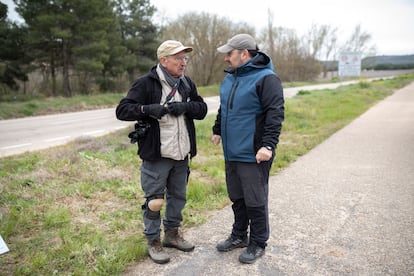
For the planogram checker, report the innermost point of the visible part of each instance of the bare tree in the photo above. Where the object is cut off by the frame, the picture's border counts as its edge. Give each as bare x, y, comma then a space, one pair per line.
294, 58
204, 32
359, 42
330, 49
315, 39
330, 44
290, 57
271, 34
321, 42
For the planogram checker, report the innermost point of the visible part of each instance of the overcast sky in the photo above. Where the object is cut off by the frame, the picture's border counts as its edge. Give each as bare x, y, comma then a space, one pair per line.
390, 22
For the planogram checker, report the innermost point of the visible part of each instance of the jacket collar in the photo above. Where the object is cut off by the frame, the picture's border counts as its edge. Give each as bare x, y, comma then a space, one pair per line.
260, 61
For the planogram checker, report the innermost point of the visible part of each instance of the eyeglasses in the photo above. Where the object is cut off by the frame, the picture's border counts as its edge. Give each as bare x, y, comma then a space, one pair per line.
181, 59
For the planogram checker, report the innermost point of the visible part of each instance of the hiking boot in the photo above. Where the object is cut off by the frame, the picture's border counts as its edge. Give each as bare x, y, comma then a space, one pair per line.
252, 252
157, 253
173, 238
232, 243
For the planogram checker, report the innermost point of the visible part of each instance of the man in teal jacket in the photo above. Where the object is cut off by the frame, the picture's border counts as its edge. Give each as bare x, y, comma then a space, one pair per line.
248, 123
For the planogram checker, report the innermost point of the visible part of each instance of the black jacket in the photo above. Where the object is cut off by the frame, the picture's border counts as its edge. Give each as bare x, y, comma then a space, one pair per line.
147, 90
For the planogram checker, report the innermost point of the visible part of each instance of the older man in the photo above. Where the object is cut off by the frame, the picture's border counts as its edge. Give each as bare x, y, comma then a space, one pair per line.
164, 102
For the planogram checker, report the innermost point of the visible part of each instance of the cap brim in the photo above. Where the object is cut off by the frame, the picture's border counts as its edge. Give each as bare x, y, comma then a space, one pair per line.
225, 49
180, 49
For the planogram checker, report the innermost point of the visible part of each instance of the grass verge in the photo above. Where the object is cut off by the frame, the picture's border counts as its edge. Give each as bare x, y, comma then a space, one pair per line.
75, 209
28, 105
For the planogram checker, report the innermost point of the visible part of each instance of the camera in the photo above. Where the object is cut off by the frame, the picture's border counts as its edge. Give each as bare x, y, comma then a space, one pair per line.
141, 129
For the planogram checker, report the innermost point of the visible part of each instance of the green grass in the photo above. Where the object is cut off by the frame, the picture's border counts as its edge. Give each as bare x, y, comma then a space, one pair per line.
312, 116
76, 209
29, 105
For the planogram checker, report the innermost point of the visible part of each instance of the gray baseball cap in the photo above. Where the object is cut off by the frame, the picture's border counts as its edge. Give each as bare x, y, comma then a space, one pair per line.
239, 42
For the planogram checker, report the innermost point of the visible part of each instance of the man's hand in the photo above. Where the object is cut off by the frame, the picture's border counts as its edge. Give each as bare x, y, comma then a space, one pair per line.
216, 139
177, 108
263, 154
155, 110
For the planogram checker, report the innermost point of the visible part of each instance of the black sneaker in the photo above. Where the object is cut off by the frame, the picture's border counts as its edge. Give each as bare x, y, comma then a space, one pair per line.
252, 252
232, 243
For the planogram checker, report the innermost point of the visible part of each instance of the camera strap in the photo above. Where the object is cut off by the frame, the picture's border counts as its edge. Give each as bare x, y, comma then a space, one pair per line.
172, 93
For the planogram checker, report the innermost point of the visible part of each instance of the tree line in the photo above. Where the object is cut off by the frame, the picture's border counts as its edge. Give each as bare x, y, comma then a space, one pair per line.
82, 47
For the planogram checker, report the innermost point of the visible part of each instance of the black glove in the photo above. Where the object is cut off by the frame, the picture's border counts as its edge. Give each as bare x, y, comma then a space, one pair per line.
155, 110
177, 108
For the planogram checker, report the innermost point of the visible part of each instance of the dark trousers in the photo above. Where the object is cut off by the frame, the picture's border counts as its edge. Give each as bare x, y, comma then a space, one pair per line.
248, 189
164, 177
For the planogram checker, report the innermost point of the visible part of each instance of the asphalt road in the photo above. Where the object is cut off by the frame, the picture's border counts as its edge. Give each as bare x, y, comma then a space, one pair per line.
40, 132
345, 208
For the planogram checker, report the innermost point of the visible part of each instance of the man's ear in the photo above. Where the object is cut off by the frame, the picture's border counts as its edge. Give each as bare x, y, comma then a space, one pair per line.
245, 55
163, 60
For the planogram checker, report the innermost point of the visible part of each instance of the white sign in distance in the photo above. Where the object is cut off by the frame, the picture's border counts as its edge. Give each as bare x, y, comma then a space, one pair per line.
349, 64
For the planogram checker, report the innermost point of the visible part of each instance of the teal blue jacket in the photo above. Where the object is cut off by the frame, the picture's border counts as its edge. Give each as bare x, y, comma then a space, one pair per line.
251, 109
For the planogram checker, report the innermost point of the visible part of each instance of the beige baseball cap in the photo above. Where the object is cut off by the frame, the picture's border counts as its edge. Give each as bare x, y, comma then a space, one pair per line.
171, 47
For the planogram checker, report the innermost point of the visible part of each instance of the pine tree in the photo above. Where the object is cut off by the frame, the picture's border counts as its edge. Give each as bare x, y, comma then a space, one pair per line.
72, 35
139, 35
12, 52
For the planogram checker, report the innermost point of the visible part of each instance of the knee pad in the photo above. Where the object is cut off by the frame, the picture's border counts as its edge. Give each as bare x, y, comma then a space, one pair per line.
153, 206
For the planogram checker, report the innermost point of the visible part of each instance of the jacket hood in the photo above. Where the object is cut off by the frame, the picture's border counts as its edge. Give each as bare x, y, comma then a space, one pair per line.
259, 61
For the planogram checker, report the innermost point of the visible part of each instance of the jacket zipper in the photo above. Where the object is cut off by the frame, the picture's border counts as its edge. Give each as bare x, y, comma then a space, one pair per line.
230, 104
233, 93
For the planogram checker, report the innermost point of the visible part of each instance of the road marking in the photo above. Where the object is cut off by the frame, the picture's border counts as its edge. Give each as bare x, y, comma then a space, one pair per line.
17, 146
57, 139
69, 121
64, 122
